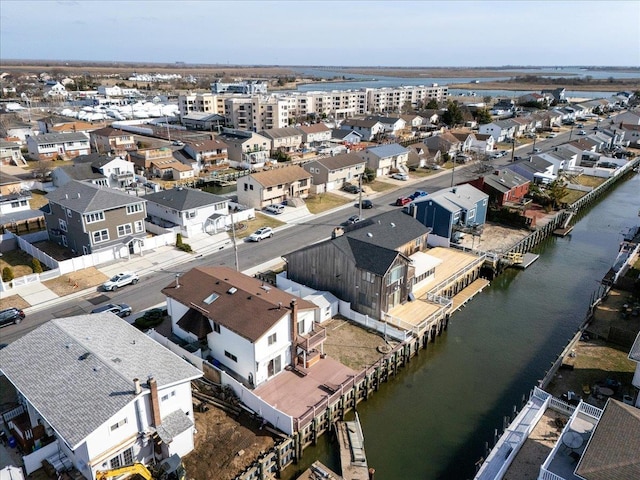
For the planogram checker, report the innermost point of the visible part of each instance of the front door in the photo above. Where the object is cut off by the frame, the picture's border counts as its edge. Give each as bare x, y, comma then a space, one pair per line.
394, 298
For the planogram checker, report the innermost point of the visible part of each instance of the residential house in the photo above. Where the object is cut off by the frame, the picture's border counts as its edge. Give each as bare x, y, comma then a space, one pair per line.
209, 154
558, 94
118, 171
194, 211
631, 134
534, 98
315, 135
171, 169
250, 329
108, 139
431, 115
58, 124
466, 139
457, 209
82, 172
558, 163
483, 143
14, 200
50, 146
346, 137
369, 129
370, 265
391, 125
55, 90
386, 158
273, 186
87, 218
535, 169
634, 356
11, 154
413, 121
504, 187
246, 150
630, 117
501, 130
143, 158
286, 140
504, 106
127, 401
331, 173
421, 157
445, 143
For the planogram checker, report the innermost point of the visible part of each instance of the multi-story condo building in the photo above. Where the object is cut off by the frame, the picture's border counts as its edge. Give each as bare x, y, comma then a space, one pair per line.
201, 102
251, 87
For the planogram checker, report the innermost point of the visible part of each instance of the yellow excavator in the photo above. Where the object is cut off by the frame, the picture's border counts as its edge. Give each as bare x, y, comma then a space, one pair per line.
169, 469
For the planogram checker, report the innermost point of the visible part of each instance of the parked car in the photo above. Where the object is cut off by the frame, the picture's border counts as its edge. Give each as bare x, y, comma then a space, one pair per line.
353, 219
120, 309
276, 209
582, 132
402, 201
260, 234
11, 316
552, 135
366, 204
400, 176
417, 194
529, 135
120, 280
536, 150
351, 188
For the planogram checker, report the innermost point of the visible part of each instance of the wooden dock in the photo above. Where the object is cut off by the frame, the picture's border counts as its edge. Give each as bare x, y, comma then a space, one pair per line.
352, 456
468, 293
562, 232
527, 260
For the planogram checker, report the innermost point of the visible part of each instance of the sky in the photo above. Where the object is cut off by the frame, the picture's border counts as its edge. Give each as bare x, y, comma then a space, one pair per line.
332, 32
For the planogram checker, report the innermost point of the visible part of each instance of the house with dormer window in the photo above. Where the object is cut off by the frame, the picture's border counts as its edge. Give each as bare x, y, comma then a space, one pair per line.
250, 329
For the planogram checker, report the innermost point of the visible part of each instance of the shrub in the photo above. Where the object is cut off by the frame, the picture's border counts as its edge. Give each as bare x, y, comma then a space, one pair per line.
185, 247
178, 240
36, 266
151, 318
7, 274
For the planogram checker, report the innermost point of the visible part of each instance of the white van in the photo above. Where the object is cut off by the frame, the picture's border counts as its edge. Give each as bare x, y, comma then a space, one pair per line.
276, 209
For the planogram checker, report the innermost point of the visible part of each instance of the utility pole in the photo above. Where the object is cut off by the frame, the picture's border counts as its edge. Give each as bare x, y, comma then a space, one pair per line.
360, 196
235, 244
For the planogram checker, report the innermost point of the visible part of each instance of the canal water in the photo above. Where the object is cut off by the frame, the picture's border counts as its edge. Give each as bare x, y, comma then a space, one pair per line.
432, 421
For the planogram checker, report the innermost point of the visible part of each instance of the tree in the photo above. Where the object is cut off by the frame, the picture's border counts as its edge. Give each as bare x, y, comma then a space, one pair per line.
432, 104
453, 115
486, 99
369, 175
483, 116
556, 190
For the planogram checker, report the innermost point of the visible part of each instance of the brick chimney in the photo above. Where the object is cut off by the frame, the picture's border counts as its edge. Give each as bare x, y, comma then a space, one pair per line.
155, 403
294, 330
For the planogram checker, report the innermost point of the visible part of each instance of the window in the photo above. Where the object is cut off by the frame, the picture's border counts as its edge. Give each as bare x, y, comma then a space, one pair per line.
139, 226
127, 456
124, 230
101, 236
119, 424
272, 339
135, 208
164, 398
301, 327
216, 327
124, 458
63, 224
69, 212
231, 356
94, 217
191, 214
395, 275
269, 189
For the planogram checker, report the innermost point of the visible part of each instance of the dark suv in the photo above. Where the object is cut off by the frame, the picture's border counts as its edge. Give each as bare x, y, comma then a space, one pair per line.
11, 316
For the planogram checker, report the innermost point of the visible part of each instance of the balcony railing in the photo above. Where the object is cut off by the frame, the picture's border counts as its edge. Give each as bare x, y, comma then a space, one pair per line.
312, 340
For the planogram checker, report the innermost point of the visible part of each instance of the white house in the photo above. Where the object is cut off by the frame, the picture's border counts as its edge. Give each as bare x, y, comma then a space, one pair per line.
99, 393
194, 211
118, 171
49, 146
273, 186
208, 153
252, 330
315, 134
367, 128
385, 158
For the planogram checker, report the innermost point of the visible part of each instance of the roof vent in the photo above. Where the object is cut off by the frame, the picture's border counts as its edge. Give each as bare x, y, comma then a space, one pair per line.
266, 288
369, 234
393, 225
84, 356
211, 298
232, 290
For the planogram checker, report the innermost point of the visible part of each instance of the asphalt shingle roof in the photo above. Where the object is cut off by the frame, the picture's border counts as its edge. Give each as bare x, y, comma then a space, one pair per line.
183, 198
250, 311
84, 197
78, 372
388, 150
341, 161
60, 138
280, 176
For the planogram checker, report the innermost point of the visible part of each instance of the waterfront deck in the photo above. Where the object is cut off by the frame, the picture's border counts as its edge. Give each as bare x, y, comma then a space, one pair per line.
527, 260
454, 262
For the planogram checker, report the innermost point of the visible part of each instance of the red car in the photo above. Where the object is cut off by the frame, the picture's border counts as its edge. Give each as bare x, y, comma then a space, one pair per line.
402, 201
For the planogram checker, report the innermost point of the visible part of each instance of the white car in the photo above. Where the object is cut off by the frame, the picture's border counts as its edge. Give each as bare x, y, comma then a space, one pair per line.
276, 209
400, 176
120, 280
264, 232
